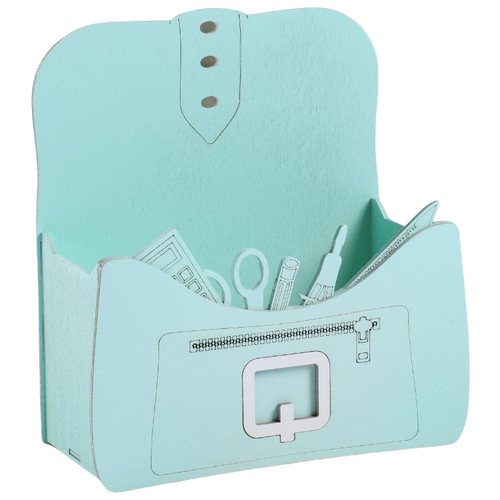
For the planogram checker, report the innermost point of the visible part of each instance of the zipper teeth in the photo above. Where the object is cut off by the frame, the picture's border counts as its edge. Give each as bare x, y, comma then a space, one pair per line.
280, 335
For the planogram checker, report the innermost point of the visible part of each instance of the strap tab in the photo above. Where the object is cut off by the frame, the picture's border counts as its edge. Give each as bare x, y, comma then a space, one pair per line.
210, 69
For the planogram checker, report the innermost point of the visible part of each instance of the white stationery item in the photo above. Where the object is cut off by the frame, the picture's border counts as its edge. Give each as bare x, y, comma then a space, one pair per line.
254, 297
284, 284
423, 219
226, 291
324, 285
169, 254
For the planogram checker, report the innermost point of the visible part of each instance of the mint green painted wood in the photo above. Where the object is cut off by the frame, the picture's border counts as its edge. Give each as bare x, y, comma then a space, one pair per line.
43, 405
121, 394
68, 321
383, 228
422, 220
224, 80
126, 151
134, 325
119, 164
209, 384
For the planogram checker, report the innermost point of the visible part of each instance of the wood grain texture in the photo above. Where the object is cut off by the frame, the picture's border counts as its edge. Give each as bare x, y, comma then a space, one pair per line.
126, 151
69, 315
382, 228
133, 318
119, 164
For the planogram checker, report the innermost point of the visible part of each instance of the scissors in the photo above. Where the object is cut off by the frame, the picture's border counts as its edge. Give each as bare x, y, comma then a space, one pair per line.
226, 292
254, 297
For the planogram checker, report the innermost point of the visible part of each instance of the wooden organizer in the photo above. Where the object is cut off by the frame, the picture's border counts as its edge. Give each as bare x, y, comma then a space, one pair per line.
143, 381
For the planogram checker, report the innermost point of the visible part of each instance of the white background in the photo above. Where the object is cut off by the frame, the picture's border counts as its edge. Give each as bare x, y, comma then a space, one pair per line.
437, 138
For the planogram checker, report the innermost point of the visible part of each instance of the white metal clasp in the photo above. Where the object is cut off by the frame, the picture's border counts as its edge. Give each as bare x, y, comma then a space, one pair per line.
287, 425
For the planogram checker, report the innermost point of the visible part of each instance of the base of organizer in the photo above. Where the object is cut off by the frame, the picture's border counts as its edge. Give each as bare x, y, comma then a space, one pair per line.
177, 383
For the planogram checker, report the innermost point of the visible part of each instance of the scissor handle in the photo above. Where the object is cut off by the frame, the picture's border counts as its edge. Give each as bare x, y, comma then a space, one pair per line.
226, 292
254, 296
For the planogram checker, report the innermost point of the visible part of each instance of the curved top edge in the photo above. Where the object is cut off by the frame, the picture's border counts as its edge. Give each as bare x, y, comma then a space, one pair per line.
196, 11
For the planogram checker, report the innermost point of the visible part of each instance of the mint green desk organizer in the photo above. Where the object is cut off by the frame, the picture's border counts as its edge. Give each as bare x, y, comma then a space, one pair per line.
145, 382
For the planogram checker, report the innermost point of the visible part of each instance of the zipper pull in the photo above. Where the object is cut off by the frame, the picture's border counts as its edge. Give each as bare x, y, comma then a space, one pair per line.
363, 328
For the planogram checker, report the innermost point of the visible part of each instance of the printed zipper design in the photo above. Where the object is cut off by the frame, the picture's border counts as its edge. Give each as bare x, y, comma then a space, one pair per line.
286, 334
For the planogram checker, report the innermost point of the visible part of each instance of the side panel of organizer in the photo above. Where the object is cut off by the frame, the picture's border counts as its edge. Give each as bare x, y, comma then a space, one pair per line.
67, 326
382, 228
177, 395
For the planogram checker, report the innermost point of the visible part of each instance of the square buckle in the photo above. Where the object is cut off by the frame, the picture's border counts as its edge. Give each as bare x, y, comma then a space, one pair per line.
287, 425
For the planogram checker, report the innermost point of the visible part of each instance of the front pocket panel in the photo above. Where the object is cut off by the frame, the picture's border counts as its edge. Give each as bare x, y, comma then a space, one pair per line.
198, 419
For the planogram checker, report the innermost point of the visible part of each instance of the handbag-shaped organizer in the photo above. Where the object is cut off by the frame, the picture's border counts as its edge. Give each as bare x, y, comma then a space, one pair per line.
179, 361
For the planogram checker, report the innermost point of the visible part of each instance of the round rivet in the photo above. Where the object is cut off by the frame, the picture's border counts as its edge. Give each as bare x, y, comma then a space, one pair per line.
208, 27
209, 61
210, 101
